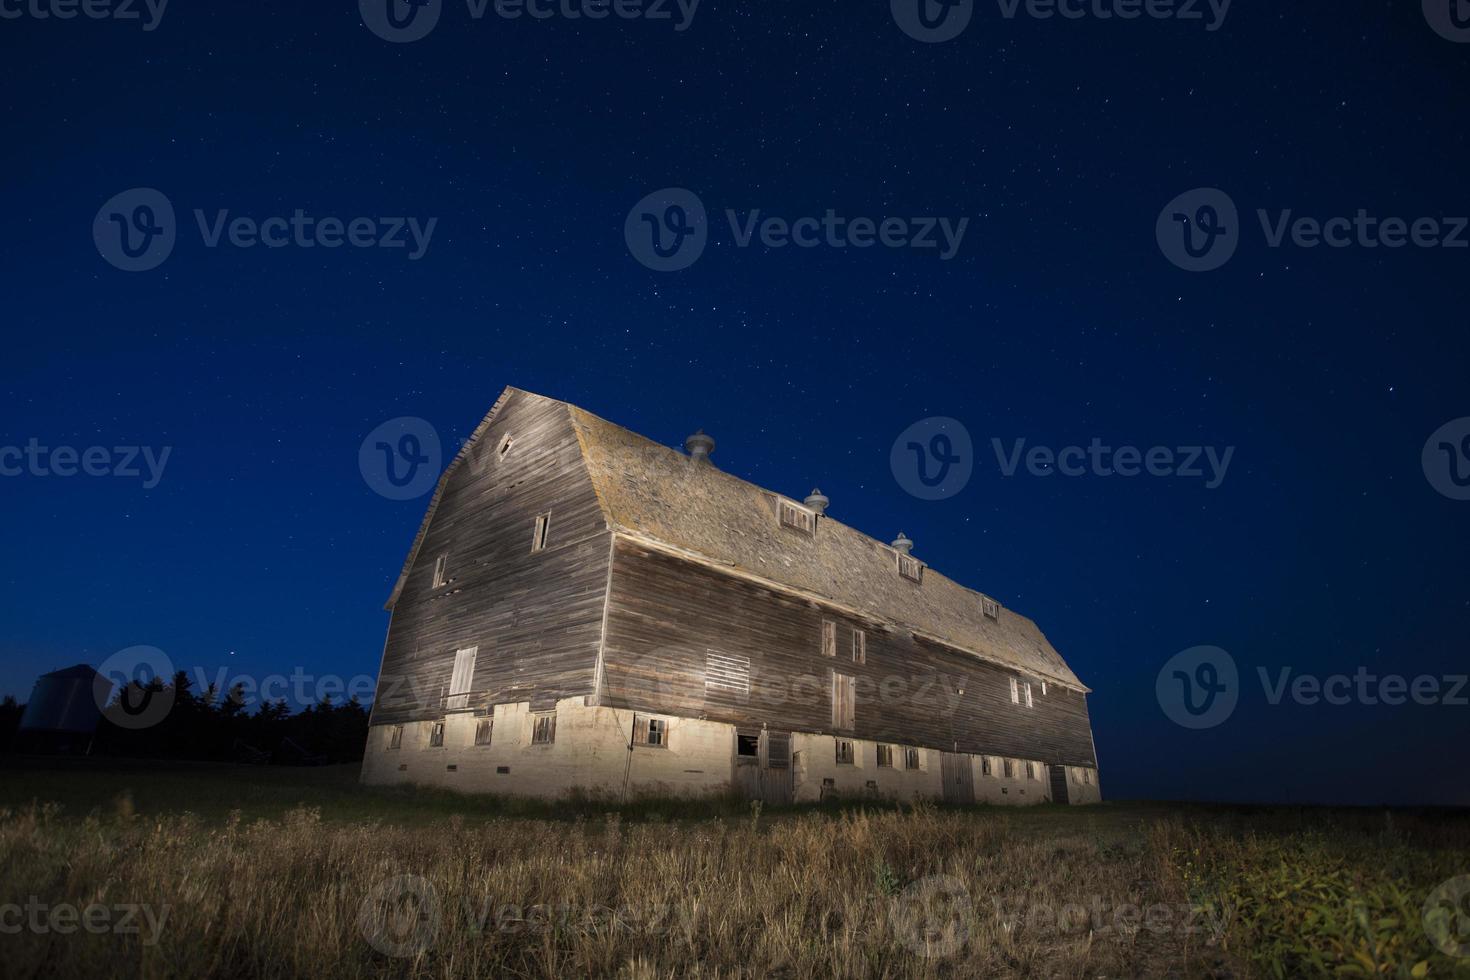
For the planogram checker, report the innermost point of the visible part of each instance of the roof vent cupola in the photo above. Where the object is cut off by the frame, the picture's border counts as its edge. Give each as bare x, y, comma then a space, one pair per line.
817, 501
902, 544
699, 446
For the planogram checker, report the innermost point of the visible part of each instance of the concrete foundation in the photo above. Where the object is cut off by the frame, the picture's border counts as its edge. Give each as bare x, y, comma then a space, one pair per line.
589, 754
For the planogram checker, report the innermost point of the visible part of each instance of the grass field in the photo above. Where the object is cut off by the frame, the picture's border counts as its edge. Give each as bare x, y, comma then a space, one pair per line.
194, 871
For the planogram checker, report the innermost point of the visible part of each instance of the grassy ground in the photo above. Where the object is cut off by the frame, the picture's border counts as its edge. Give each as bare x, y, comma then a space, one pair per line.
205, 871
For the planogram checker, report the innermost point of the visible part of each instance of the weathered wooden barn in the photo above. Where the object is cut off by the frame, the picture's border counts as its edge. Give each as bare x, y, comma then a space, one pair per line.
584, 609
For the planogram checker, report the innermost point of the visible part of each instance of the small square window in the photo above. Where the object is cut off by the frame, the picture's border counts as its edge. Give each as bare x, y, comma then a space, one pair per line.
441, 571
539, 534
436, 735
543, 730
395, 736
911, 758
844, 752
910, 568
797, 518
653, 732
885, 756
859, 647
483, 730
748, 745
990, 607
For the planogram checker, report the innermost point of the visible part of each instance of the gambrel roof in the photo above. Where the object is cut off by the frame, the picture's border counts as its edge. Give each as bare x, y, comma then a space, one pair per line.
654, 493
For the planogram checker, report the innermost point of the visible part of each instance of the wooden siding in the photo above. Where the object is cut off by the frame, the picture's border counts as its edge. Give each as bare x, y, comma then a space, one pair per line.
536, 618
666, 615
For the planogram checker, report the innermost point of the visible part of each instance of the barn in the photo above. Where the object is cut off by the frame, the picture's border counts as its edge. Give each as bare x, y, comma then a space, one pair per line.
586, 610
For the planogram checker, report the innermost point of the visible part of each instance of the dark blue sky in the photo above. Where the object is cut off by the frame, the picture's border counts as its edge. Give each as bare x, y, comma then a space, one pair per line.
262, 549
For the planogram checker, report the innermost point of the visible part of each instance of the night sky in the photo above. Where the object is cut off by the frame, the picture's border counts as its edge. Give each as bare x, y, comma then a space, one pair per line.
1326, 548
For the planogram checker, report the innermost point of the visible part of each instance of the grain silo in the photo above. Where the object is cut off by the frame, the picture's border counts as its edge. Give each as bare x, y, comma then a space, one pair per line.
62, 714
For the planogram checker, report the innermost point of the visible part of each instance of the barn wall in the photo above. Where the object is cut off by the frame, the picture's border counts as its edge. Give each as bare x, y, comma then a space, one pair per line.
589, 755
667, 615
536, 618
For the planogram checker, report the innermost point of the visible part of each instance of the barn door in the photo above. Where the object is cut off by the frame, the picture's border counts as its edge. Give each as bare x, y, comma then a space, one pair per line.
959, 777
1059, 784
762, 766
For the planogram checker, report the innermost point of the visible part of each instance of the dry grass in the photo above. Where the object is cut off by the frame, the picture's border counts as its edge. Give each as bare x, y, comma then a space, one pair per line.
1102, 892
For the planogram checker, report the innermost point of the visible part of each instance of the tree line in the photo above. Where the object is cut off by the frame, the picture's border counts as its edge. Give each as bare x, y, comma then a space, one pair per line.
203, 725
